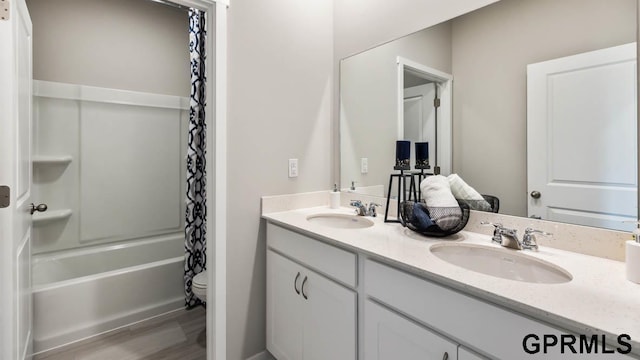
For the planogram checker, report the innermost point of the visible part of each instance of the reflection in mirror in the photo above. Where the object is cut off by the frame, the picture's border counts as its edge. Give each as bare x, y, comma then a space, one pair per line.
487, 52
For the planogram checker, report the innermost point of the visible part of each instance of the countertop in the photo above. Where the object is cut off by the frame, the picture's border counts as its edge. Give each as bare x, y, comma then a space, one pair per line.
598, 300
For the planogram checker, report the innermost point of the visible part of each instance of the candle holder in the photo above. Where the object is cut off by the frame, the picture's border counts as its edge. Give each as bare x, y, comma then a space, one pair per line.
403, 154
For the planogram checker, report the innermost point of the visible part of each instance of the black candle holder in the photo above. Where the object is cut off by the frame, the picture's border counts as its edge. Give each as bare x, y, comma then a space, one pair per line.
402, 192
402, 165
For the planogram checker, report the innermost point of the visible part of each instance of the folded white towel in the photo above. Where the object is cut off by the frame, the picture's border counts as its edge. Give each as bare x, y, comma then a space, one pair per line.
436, 192
461, 190
443, 207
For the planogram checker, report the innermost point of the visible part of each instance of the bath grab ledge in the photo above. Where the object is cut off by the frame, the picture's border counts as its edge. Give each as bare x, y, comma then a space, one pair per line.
52, 160
39, 218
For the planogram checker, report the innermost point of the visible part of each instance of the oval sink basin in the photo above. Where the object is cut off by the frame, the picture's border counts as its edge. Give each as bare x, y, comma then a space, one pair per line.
340, 221
502, 263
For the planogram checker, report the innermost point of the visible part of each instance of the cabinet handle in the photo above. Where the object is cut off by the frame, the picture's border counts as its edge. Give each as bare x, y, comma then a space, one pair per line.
295, 284
446, 356
304, 282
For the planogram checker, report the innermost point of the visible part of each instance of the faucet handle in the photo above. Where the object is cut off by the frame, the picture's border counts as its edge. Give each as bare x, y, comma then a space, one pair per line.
496, 225
529, 238
372, 209
497, 231
530, 231
356, 203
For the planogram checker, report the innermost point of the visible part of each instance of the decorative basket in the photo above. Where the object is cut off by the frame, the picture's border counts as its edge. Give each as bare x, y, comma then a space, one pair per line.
408, 219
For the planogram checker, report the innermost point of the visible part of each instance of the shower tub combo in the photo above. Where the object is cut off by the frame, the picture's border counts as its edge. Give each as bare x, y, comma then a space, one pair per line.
84, 292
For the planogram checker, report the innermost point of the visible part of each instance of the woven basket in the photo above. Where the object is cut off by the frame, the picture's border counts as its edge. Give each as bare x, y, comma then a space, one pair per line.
408, 219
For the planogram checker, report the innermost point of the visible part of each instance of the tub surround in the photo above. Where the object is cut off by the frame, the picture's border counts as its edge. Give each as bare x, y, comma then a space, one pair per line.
598, 300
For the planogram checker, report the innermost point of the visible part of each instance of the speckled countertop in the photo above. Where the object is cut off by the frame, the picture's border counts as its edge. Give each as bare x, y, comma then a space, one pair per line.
598, 300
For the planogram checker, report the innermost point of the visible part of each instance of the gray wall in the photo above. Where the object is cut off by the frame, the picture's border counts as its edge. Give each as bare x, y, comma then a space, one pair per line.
123, 44
282, 97
360, 25
490, 105
368, 106
280, 88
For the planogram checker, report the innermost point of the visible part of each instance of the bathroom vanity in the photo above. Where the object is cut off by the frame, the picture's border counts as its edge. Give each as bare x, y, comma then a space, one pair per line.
379, 292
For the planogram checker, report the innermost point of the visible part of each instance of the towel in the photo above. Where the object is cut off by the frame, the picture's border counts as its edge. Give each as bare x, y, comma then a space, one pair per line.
461, 190
436, 192
441, 204
422, 221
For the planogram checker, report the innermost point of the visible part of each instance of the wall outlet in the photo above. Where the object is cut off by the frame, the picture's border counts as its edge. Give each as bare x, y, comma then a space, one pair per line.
293, 168
364, 165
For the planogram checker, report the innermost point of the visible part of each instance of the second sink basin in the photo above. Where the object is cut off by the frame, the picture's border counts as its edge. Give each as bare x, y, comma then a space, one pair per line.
503, 263
340, 221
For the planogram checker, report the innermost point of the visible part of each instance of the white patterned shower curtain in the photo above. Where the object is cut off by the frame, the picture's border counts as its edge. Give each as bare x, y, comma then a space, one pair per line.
196, 212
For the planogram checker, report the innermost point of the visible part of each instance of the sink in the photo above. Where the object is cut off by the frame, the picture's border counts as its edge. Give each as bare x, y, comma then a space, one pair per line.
340, 221
502, 263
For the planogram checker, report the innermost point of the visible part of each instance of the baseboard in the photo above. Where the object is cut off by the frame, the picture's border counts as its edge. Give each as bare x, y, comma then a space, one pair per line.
265, 355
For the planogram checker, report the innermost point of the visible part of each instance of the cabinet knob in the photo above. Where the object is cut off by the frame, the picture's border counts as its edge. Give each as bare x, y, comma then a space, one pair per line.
446, 356
303, 293
295, 284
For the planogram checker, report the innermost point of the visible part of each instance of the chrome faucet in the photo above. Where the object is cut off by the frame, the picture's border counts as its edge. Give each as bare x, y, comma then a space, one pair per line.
509, 237
362, 210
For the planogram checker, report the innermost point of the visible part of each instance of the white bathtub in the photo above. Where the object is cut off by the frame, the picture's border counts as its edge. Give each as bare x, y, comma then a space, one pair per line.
82, 293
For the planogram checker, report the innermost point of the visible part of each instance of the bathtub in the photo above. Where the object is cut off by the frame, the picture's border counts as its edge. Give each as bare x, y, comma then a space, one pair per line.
81, 293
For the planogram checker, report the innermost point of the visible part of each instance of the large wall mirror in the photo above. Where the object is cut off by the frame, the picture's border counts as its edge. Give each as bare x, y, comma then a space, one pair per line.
508, 60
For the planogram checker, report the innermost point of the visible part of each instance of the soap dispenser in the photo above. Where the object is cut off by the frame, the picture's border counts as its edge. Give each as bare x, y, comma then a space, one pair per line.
334, 198
632, 255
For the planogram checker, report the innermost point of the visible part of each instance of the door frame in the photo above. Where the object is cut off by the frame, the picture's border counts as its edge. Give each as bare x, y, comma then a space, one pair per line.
444, 134
216, 119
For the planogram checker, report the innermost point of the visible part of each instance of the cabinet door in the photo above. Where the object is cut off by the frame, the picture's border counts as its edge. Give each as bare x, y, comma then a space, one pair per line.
390, 336
329, 319
284, 307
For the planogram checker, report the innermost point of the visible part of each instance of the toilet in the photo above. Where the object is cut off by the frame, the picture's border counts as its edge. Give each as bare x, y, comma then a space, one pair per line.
199, 285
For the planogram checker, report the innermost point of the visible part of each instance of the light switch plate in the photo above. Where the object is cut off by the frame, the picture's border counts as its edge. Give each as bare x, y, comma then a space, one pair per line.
293, 168
364, 165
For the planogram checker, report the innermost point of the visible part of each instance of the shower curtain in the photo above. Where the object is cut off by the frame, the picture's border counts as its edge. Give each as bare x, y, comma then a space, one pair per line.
196, 212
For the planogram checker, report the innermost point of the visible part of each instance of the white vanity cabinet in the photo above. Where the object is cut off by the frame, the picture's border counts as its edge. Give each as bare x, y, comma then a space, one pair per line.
325, 302
494, 331
391, 336
311, 310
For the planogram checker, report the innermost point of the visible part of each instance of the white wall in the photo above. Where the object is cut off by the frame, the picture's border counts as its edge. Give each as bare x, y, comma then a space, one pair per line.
490, 105
280, 88
122, 44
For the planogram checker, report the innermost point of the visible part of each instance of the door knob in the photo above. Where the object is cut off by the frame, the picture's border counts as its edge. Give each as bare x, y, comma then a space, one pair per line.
535, 194
40, 208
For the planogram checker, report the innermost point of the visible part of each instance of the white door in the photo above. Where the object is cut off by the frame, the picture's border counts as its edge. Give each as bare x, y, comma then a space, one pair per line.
581, 138
390, 336
284, 307
15, 174
329, 319
420, 118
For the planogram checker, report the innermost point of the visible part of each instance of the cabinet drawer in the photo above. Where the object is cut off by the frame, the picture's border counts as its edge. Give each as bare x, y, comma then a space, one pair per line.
326, 259
490, 329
